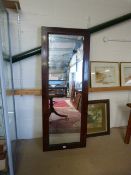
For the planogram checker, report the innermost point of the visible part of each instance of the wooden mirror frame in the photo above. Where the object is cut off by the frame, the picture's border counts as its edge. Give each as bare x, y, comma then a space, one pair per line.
45, 77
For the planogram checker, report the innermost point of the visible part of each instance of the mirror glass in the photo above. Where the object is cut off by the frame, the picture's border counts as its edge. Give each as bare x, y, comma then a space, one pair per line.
65, 64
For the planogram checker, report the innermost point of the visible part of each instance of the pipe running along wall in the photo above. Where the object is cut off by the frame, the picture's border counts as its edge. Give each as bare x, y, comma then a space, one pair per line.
37, 50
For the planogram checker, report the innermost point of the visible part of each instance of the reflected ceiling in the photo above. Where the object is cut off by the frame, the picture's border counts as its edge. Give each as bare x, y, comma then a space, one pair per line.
61, 50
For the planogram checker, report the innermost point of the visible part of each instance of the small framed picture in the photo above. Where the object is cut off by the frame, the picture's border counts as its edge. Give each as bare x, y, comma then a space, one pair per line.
98, 121
105, 74
126, 74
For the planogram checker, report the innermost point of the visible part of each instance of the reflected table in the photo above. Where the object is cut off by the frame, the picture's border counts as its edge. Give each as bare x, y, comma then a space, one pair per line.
52, 109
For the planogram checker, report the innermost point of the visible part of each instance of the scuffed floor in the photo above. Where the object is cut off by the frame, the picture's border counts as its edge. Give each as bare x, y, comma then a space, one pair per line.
103, 155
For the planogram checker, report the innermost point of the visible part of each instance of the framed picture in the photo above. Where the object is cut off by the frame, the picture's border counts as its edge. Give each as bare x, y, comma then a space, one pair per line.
105, 74
126, 74
98, 118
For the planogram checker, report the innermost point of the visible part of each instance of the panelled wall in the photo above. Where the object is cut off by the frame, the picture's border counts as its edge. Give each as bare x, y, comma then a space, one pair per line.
26, 34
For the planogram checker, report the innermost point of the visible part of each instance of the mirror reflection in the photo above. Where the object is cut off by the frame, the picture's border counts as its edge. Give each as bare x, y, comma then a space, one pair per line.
65, 87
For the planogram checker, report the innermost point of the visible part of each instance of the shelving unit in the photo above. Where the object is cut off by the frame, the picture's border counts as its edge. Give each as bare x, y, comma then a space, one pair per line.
38, 92
15, 5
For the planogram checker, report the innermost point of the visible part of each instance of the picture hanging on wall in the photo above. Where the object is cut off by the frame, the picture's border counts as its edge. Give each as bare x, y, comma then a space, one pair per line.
125, 74
105, 74
98, 118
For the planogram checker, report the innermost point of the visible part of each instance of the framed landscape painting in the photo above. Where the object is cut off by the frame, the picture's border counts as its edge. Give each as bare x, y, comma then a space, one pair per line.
126, 74
105, 74
98, 118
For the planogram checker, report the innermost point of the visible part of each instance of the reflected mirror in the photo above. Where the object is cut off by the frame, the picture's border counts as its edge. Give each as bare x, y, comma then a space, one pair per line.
64, 87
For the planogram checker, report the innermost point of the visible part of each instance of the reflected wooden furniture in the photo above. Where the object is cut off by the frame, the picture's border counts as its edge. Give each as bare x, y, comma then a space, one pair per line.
60, 90
56, 92
128, 130
72, 91
77, 100
52, 109
76, 97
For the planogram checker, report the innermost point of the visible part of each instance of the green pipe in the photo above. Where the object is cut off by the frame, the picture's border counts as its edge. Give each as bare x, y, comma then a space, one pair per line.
109, 23
29, 53
91, 30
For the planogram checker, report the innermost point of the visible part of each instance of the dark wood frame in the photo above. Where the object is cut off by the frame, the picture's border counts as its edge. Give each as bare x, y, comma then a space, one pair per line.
45, 107
107, 102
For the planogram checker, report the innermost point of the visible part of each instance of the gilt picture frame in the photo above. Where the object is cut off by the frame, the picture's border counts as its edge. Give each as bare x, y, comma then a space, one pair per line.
125, 73
98, 120
105, 74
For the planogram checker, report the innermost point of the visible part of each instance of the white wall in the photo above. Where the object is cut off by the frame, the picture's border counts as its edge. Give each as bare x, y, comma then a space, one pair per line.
65, 13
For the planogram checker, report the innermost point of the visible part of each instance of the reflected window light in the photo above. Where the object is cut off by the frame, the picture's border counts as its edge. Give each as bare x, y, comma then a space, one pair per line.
107, 70
10, 112
93, 73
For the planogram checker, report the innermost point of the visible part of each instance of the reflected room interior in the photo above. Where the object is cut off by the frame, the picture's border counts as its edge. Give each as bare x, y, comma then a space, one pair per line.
65, 87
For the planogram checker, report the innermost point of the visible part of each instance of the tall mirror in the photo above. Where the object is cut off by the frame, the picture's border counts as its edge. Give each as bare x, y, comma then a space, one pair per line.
64, 87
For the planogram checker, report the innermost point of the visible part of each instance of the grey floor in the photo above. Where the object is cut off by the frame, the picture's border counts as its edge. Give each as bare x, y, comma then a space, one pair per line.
104, 155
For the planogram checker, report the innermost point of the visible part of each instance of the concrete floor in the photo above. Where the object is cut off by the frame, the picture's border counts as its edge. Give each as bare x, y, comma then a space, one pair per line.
104, 155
